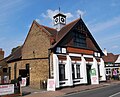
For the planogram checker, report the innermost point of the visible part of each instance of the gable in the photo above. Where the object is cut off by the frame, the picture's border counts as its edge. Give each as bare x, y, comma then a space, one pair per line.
118, 59
80, 28
110, 58
37, 42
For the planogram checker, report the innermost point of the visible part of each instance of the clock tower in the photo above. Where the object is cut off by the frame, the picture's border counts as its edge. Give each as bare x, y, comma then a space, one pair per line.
59, 21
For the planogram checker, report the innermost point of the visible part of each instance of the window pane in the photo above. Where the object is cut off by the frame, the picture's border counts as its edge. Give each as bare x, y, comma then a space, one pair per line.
78, 71
79, 39
61, 72
73, 72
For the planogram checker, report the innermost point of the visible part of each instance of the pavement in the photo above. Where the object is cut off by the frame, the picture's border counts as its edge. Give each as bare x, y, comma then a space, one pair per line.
30, 92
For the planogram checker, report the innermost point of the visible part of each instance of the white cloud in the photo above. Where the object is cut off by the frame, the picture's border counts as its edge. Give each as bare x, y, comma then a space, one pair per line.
69, 15
105, 25
50, 13
38, 20
80, 13
115, 46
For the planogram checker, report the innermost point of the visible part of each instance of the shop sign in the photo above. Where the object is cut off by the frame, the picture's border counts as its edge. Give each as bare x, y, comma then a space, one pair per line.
94, 79
51, 85
23, 82
6, 89
93, 72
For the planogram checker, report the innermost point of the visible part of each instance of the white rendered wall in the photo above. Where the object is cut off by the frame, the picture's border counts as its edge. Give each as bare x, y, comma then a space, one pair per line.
68, 70
83, 70
118, 59
95, 65
102, 70
56, 70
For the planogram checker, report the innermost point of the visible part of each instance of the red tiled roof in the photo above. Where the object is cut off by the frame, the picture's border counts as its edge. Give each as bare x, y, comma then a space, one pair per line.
58, 36
16, 55
110, 58
50, 30
64, 31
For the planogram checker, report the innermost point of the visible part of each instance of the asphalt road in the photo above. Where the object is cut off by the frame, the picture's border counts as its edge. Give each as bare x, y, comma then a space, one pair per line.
109, 91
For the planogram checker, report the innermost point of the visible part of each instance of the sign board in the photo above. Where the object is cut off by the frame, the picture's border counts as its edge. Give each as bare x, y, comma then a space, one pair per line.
51, 85
6, 89
6, 79
23, 82
93, 72
94, 76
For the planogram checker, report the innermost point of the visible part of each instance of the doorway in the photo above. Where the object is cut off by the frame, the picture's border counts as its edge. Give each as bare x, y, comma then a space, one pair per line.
28, 74
88, 67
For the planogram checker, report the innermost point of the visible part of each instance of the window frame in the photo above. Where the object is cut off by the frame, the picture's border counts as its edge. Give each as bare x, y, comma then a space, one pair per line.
79, 39
76, 71
62, 74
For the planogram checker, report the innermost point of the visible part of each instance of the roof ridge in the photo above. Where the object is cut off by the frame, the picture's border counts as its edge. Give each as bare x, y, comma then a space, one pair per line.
48, 27
59, 39
70, 23
43, 25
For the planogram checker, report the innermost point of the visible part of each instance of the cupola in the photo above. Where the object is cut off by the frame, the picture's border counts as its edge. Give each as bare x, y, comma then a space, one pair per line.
59, 21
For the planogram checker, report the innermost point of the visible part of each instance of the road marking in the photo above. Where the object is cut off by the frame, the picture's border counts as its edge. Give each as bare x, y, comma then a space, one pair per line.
114, 94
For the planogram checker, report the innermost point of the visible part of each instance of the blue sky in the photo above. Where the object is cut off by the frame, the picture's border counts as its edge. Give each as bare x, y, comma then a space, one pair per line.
102, 18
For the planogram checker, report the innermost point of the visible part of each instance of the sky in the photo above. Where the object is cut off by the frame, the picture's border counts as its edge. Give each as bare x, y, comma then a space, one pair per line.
102, 17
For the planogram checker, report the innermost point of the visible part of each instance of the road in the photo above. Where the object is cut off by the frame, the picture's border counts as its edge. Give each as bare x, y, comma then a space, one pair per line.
109, 91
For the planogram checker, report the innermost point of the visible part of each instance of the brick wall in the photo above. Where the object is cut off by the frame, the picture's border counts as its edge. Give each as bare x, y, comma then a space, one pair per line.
39, 70
36, 44
34, 53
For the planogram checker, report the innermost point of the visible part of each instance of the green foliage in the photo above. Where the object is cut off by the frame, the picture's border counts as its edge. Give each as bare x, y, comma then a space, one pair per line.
14, 81
14, 49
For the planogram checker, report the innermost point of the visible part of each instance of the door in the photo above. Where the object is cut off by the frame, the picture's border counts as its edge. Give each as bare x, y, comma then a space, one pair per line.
28, 74
88, 67
73, 71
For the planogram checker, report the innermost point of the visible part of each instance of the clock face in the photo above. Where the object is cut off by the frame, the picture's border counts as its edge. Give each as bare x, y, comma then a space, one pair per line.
62, 20
59, 19
56, 20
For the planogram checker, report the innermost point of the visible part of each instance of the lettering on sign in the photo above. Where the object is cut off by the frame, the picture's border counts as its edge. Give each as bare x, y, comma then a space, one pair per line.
6, 89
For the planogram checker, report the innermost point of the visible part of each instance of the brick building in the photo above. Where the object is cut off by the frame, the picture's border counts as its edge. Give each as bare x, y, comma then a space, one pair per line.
3, 68
67, 53
112, 62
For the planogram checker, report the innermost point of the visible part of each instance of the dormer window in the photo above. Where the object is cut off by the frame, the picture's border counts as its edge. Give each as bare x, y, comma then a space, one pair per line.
79, 39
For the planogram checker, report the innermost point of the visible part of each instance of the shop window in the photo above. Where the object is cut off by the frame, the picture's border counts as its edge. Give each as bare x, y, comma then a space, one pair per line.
61, 72
73, 71
78, 71
108, 71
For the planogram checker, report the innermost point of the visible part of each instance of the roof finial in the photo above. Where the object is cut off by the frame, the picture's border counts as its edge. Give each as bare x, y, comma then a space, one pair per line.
80, 16
59, 9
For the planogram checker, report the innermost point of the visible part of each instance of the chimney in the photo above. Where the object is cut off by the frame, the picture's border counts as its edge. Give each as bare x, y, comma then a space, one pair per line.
105, 51
1, 54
